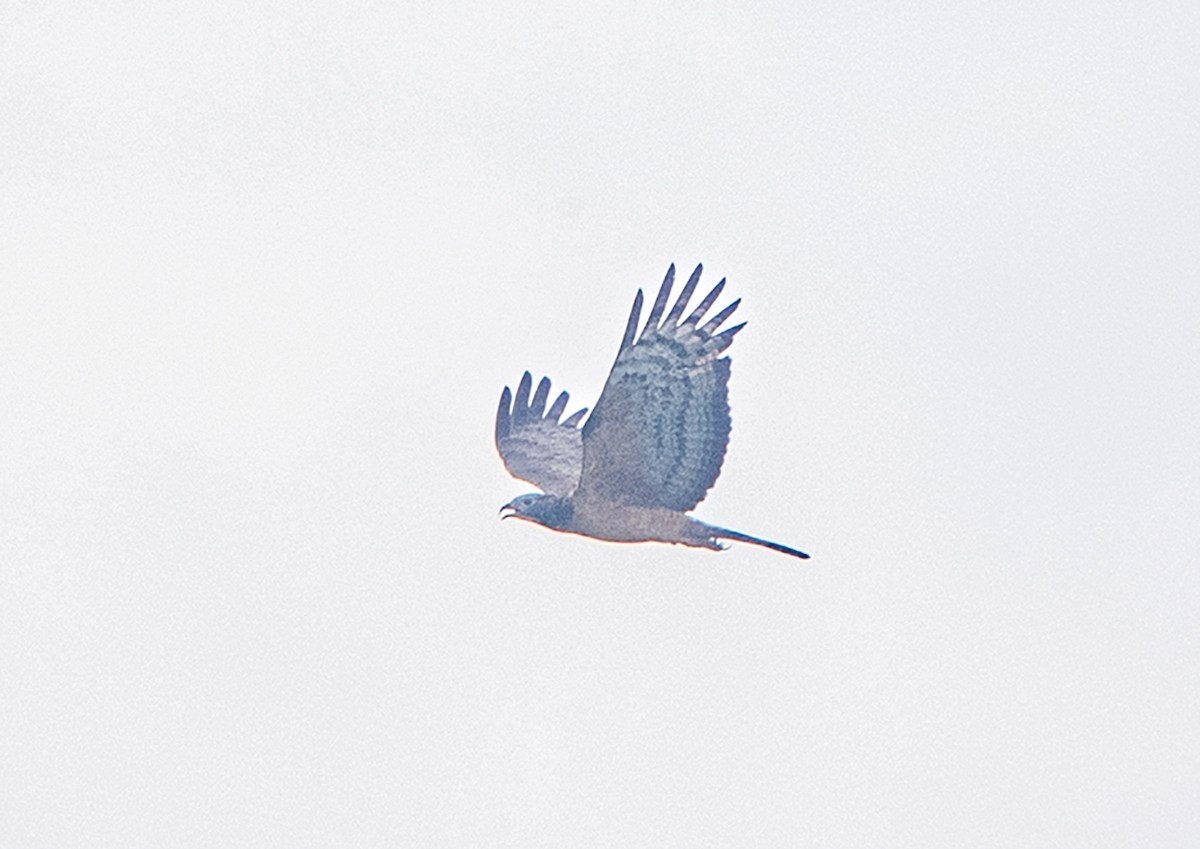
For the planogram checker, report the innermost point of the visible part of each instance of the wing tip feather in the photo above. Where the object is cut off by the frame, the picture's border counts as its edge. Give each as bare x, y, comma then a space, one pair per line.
725, 338
685, 295
573, 419
631, 326
660, 302
717, 320
504, 415
537, 407
560, 404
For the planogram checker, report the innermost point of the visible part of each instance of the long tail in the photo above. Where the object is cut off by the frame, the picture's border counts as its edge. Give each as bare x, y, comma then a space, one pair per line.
725, 533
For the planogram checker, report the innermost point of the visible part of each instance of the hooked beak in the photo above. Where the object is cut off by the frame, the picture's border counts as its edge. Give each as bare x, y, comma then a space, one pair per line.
507, 511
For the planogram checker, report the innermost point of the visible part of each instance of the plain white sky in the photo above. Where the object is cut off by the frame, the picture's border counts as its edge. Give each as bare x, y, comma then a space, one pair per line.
265, 270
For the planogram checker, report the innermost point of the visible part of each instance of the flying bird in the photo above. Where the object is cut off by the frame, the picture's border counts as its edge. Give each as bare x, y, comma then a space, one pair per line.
653, 445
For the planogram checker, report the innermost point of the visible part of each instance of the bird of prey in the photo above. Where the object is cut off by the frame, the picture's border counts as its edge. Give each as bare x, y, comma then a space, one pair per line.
653, 445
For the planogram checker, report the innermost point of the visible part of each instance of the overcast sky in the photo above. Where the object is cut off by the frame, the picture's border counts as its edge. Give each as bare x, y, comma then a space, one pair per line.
265, 271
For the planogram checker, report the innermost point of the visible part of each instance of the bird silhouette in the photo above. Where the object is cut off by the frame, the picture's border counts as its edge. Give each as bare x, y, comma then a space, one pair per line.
653, 445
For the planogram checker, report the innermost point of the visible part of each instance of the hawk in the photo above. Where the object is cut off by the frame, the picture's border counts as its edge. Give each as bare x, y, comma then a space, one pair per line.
651, 448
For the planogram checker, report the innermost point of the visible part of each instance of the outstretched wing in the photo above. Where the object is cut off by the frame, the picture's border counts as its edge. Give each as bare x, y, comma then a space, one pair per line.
534, 445
658, 433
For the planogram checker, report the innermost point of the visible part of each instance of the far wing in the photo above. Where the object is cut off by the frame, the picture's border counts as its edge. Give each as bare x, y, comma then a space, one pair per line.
534, 445
658, 433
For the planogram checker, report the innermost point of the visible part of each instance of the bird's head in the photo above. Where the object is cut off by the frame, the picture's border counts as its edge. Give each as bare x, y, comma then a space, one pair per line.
553, 511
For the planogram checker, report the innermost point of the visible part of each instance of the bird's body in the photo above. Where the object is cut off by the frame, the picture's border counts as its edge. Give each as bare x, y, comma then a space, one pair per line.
653, 445
626, 523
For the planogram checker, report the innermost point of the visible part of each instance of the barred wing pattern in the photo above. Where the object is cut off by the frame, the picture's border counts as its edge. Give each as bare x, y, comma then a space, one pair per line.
533, 443
658, 434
